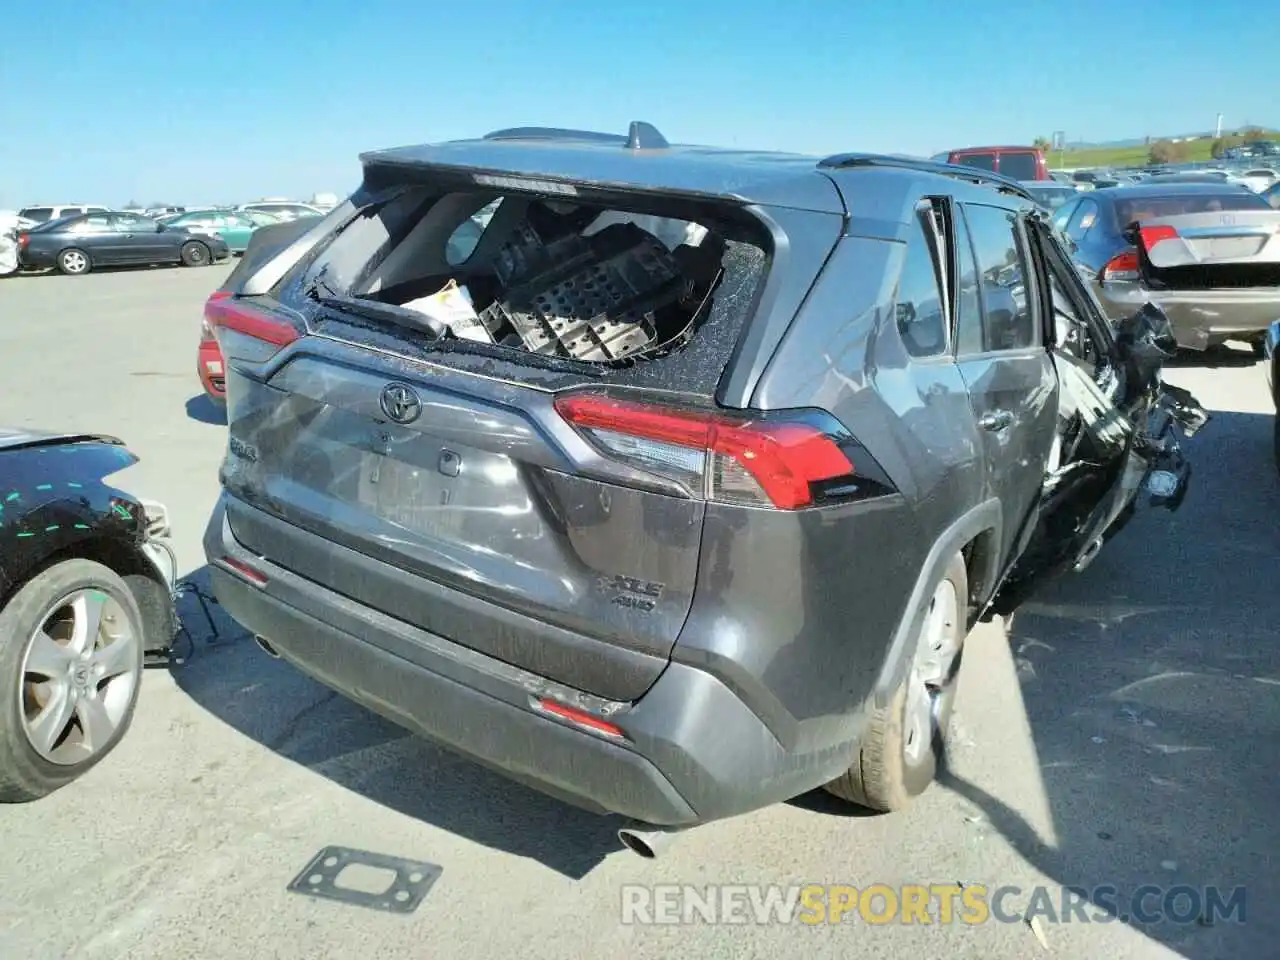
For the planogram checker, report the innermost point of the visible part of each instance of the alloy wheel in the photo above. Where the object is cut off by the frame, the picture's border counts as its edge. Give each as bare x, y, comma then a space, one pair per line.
931, 672
79, 673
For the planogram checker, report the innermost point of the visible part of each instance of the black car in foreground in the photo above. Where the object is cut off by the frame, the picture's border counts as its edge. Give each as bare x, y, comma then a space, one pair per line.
676, 488
75, 245
1208, 254
86, 589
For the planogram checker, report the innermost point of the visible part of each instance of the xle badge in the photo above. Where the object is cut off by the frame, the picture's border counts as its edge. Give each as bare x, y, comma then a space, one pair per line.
633, 593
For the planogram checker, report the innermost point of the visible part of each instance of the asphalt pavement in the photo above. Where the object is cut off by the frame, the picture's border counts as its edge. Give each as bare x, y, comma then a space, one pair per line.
1120, 733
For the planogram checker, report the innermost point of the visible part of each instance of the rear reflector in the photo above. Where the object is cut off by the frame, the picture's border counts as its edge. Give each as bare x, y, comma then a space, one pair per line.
1123, 266
224, 311
244, 571
765, 462
1153, 235
580, 718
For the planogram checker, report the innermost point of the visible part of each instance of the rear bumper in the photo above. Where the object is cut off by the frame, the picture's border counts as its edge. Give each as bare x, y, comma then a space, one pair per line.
1200, 318
36, 259
693, 751
210, 369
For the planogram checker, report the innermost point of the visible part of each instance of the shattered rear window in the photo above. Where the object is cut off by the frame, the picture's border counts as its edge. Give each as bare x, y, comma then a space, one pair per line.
555, 278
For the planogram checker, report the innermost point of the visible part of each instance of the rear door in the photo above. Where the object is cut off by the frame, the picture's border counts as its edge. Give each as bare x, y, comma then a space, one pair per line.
1002, 357
96, 235
139, 241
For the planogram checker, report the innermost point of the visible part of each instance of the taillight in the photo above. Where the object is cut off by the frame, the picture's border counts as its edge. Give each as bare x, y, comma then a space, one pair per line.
222, 311
1153, 235
23, 240
1123, 266
784, 462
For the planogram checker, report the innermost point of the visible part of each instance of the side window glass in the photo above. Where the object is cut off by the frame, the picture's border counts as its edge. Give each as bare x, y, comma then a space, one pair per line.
1084, 217
126, 224
918, 309
462, 242
1062, 216
1007, 284
968, 312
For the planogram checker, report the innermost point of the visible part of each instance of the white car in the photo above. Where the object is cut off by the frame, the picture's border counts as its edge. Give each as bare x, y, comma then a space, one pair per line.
284, 209
56, 211
1258, 179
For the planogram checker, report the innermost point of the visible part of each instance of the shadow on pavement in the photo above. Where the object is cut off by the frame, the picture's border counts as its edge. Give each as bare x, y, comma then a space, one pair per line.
204, 410
1152, 685
226, 673
1224, 355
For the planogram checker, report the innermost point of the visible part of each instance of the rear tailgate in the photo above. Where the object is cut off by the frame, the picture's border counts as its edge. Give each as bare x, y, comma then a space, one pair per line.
1215, 249
446, 490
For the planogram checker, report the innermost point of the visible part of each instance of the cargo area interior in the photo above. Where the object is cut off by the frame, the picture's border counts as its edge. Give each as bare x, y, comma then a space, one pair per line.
556, 278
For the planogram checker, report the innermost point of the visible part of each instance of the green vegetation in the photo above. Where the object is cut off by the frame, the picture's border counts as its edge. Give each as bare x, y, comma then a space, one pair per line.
1140, 155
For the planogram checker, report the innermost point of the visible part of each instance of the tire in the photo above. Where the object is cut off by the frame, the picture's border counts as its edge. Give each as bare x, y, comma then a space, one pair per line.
195, 254
895, 763
1259, 348
74, 263
27, 695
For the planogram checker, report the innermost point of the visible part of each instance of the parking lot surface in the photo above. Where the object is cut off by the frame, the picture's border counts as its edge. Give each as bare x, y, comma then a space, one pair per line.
1121, 731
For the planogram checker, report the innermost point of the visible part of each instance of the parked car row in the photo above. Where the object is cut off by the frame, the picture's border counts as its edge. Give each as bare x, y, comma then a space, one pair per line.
442, 444
77, 238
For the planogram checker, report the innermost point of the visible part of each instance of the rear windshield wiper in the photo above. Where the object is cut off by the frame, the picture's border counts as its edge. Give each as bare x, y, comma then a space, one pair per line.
323, 293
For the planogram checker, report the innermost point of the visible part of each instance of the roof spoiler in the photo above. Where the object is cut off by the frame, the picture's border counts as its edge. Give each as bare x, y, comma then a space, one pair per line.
641, 136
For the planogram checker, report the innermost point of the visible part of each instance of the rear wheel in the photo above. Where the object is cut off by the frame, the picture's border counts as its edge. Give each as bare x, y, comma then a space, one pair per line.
71, 645
1259, 348
903, 742
195, 254
74, 262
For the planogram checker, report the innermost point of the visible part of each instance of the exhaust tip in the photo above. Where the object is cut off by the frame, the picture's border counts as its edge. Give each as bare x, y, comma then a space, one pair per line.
645, 840
266, 647
637, 844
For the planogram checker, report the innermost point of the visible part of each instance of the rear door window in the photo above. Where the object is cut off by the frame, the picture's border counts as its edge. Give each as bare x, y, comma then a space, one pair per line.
1019, 166
70, 211
1009, 315
462, 243
39, 214
968, 313
97, 223
918, 308
1082, 220
982, 161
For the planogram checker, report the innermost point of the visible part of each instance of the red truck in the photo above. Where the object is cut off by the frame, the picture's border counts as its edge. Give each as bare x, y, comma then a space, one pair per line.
1020, 163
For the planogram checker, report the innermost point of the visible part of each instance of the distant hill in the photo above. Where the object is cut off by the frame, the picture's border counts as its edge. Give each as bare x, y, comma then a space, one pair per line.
1142, 141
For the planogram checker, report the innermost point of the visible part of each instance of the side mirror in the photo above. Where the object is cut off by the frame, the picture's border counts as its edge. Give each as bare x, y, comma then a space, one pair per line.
159, 228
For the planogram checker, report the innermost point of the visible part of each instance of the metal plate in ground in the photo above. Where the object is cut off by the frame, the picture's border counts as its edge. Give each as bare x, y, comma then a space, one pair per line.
413, 881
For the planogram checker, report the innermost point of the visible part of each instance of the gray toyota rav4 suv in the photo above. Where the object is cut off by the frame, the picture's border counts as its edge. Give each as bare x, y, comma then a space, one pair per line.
670, 479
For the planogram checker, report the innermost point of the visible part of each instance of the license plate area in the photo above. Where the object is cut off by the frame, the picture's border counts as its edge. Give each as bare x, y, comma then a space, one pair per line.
418, 494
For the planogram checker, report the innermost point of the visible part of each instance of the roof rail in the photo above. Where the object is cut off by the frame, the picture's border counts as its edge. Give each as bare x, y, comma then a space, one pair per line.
641, 136
842, 161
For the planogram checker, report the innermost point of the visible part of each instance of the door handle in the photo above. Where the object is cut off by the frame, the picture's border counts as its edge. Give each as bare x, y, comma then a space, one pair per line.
996, 420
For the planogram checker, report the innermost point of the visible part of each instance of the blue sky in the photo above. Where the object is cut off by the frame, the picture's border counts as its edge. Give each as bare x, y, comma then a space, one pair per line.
118, 100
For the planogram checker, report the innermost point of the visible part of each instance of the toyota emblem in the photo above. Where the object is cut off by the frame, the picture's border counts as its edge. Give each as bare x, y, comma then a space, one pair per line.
400, 402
